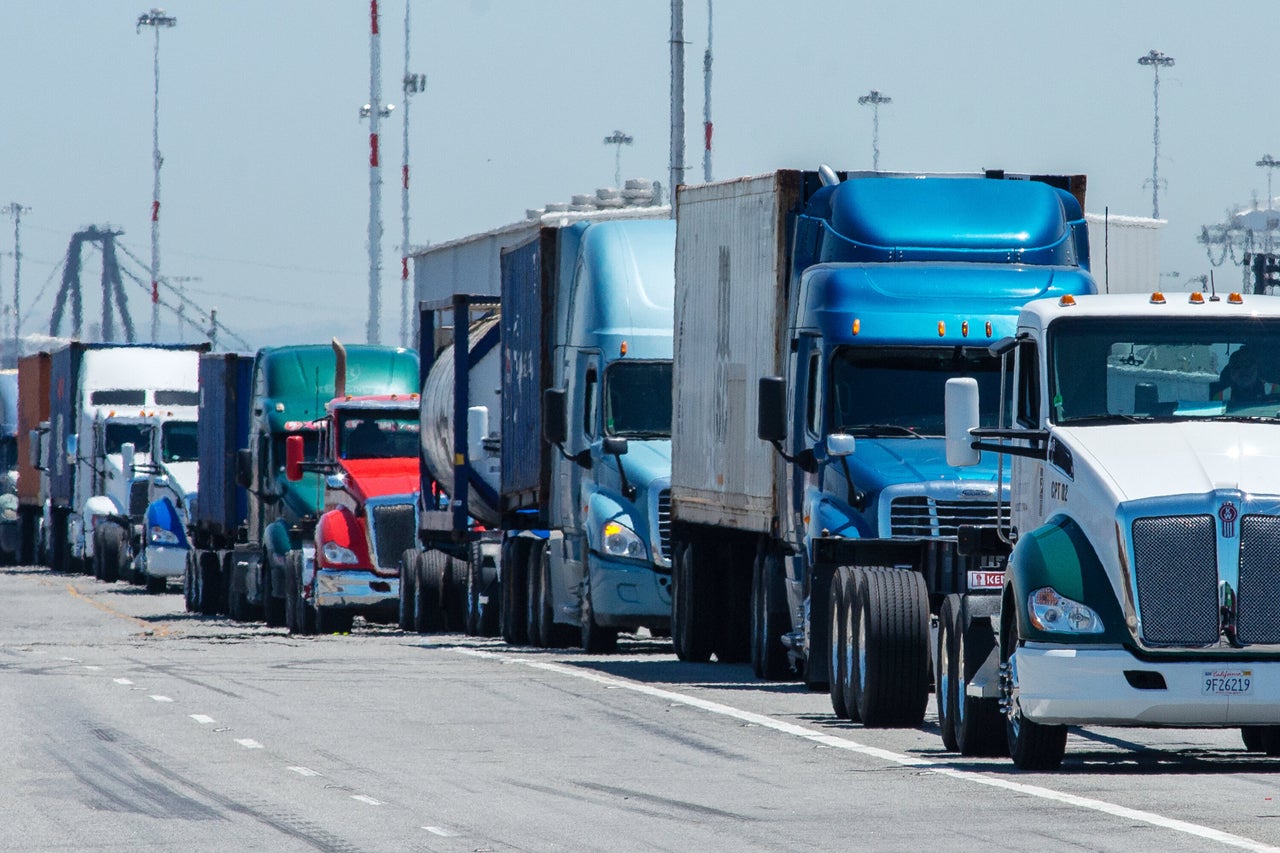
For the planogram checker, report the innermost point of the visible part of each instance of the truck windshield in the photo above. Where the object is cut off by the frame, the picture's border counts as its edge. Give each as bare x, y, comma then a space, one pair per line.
1107, 371
899, 391
637, 399
118, 434
378, 435
179, 439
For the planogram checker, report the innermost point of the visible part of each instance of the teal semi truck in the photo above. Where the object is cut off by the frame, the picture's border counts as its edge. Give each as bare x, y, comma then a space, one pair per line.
546, 353
290, 387
817, 528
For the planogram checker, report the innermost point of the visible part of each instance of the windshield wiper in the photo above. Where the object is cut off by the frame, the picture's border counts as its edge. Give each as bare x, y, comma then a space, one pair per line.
640, 434
874, 430
1105, 420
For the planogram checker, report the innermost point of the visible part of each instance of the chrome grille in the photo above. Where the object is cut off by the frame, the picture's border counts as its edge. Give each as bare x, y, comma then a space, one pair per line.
395, 530
1176, 568
1258, 598
918, 516
664, 523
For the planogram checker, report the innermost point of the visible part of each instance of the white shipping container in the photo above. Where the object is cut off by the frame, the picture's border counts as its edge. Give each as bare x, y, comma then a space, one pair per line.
1124, 252
730, 307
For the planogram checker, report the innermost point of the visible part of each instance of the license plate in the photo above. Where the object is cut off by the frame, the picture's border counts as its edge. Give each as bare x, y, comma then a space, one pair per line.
1226, 682
986, 580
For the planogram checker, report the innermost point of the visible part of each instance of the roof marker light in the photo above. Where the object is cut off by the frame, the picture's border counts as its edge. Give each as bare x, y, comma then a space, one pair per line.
964, 329
1235, 299
622, 349
942, 329
1066, 301
988, 328
1157, 298
857, 325
1196, 298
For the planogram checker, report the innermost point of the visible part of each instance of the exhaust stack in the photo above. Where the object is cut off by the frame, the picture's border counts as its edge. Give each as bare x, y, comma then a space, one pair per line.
339, 369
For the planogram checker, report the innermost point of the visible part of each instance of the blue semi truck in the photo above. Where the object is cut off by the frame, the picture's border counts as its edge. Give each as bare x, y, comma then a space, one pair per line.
816, 525
546, 432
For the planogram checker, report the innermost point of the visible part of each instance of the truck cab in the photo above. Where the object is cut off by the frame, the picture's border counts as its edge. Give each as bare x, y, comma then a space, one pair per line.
369, 460
167, 483
1144, 518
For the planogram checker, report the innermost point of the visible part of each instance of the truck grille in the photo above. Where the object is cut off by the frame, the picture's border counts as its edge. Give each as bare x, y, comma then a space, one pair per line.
918, 516
664, 523
1258, 599
1176, 568
395, 530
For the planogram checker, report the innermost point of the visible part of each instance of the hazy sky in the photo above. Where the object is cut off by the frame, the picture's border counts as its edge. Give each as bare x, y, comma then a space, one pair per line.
266, 183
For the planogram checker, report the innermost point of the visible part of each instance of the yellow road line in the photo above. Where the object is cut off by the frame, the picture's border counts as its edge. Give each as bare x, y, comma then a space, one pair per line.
158, 630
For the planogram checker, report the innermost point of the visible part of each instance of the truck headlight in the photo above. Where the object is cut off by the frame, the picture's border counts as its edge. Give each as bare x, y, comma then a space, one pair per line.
1050, 611
622, 541
336, 555
163, 536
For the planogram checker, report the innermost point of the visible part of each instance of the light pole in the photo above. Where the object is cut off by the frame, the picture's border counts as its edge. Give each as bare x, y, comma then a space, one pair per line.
16, 210
706, 103
676, 161
1156, 60
155, 19
875, 99
374, 111
413, 84
619, 139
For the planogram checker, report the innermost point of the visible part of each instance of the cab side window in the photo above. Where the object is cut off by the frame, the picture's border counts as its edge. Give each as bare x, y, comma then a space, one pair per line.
813, 399
589, 407
1027, 411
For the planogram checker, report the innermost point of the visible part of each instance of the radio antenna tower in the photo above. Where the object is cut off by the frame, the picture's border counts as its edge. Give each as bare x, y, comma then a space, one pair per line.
1156, 60
875, 99
155, 19
16, 210
413, 84
374, 111
706, 103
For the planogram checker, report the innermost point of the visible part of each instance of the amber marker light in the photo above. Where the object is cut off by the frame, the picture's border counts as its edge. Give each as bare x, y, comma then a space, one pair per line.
857, 326
1157, 298
964, 329
988, 328
1235, 299
942, 329
1196, 298
622, 350
1066, 301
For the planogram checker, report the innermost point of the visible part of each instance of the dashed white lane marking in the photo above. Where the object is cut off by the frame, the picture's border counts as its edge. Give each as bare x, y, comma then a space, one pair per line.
122, 681
93, 668
161, 698
1089, 803
249, 743
367, 799
440, 831
304, 771
202, 719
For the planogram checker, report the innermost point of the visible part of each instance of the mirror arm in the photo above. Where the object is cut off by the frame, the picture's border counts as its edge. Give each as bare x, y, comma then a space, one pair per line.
857, 497
777, 445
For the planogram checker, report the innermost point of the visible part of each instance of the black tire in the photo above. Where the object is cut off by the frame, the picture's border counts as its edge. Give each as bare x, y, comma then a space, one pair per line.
945, 672
533, 593
59, 548
210, 584
238, 606
838, 619
513, 588
28, 533
455, 594
734, 578
97, 552
483, 605
1032, 746
408, 575
333, 620
157, 586
272, 602
694, 619
1264, 739
595, 639
890, 639
979, 725
428, 610
769, 619
189, 581
113, 545
299, 617
555, 635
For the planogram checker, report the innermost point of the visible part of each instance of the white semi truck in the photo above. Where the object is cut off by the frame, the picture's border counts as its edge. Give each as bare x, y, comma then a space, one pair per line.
1143, 583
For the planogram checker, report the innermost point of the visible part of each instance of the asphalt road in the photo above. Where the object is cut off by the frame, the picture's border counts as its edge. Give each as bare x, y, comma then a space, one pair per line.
129, 724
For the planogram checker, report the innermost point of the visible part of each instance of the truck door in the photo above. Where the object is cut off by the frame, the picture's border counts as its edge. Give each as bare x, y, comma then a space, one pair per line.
805, 404
1028, 407
573, 483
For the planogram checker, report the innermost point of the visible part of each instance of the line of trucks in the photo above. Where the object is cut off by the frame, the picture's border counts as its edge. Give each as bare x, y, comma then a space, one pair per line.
876, 432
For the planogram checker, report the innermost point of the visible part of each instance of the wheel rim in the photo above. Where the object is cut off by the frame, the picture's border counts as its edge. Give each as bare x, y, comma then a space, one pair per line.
944, 668
847, 646
862, 648
834, 625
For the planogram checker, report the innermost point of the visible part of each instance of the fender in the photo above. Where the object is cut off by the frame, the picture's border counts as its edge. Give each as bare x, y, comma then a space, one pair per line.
603, 507
1059, 555
277, 542
827, 513
341, 527
162, 514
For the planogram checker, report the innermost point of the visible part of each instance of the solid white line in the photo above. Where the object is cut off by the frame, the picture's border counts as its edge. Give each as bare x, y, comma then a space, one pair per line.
122, 681
201, 718
367, 799
1205, 832
304, 771
161, 698
440, 831
249, 743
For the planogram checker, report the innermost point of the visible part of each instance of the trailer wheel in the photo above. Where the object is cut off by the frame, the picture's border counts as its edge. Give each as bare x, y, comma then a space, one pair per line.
189, 588
429, 592
1032, 746
734, 573
209, 586
890, 637
769, 619
596, 638
455, 594
482, 603
838, 662
238, 606
512, 586
408, 574
694, 619
113, 548
533, 594
272, 604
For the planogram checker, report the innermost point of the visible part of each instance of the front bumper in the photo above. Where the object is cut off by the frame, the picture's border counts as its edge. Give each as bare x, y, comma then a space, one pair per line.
355, 589
1060, 685
166, 561
629, 595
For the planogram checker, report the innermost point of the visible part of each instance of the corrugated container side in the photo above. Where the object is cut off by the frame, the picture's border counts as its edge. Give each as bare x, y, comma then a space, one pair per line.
33, 408
223, 426
523, 330
64, 384
730, 309
1126, 253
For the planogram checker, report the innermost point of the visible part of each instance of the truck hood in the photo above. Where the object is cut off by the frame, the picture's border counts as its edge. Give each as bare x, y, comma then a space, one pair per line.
372, 478
877, 463
185, 476
1181, 458
645, 461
